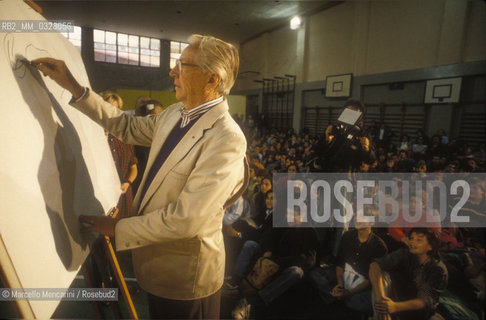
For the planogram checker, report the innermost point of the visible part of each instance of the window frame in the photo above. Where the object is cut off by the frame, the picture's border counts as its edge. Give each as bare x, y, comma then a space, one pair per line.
70, 39
174, 56
128, 56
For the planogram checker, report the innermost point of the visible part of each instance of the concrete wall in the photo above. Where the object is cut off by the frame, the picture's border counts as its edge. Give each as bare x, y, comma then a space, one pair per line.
379, 42
368, 37
237, 104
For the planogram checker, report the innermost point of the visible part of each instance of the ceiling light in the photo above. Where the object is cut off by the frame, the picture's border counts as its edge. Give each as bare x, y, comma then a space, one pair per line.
295, 23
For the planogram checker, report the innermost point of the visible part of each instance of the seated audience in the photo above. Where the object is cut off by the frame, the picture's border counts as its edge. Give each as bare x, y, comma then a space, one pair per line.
409, 282
294, 250
257, 203
348, 281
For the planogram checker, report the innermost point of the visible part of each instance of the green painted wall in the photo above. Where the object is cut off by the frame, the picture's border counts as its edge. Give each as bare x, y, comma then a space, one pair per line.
130, 96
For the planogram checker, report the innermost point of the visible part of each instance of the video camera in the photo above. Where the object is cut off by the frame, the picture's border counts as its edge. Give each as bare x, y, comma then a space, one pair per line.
347, 127
345, 136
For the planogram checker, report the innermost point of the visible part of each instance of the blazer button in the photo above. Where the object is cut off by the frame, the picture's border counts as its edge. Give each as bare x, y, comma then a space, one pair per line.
127, 244
138, 242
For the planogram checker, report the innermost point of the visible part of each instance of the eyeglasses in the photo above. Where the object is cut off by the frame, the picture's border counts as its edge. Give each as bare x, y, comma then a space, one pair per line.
180, 64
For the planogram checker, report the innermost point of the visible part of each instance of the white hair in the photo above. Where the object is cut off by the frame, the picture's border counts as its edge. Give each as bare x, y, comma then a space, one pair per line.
217, 56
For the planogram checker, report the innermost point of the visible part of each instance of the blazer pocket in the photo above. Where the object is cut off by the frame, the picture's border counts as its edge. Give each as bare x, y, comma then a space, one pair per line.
177, 175
175, 264
172, 186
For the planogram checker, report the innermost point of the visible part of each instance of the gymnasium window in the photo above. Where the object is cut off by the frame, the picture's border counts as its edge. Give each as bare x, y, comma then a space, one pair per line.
122, 48
176, 49
74, 37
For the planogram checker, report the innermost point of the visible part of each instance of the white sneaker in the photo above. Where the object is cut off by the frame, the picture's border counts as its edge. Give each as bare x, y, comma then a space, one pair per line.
242, 310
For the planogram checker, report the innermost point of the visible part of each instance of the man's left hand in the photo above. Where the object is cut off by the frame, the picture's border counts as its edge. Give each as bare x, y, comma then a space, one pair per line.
102, 224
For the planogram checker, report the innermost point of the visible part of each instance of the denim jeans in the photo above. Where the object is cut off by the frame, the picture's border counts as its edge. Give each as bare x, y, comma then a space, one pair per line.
324, 279
245, 258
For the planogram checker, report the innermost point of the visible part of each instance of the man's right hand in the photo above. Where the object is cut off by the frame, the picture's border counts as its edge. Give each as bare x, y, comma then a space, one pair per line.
102, 224
59, 72
384, 307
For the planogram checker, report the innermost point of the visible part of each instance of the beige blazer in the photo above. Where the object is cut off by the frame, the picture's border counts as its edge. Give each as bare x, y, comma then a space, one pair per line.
176, 237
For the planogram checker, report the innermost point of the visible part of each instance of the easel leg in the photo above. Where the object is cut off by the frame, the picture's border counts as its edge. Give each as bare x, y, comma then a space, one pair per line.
100, 255
90, 284
100, 259
119, 278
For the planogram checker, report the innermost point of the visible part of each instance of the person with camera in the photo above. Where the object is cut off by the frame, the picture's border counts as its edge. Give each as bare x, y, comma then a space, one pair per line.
345, 145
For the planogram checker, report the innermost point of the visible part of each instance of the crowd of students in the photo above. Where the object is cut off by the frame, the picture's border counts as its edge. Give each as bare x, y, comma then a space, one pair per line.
410, 267
407, 269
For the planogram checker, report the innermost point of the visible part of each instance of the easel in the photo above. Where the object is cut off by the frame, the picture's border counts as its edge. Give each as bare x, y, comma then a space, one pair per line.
103, 248
33, 5
10, 279
100, 245
22, 307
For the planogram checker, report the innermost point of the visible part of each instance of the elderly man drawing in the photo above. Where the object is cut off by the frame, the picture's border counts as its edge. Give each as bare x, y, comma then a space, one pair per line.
196, 164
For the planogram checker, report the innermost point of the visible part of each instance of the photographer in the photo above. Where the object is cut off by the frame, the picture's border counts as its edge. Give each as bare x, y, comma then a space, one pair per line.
345, 145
